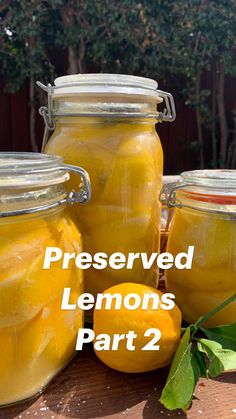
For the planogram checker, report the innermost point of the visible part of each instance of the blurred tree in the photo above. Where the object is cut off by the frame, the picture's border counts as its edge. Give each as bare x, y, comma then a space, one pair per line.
176, 41
204, 39
23, 50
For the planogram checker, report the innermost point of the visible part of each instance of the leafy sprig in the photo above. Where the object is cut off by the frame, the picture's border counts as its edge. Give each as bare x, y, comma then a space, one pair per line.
189, 362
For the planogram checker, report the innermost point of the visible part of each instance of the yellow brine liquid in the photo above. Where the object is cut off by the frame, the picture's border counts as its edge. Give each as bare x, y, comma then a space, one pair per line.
125, 161
37, 339
212, 278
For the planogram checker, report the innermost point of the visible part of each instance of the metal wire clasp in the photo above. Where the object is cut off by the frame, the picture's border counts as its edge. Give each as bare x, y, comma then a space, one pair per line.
169, 113
168, 195
46, 113
84, 194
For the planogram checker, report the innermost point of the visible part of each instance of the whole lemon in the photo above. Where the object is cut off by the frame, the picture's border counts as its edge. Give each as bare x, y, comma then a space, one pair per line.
140, 320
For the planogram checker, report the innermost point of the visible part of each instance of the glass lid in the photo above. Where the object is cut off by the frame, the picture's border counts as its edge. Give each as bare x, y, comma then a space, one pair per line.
103, 84
30, 170
215, 178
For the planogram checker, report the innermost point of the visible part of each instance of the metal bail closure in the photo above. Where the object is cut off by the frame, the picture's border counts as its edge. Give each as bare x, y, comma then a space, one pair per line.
84, 194
46, 113
169, 112
168, 194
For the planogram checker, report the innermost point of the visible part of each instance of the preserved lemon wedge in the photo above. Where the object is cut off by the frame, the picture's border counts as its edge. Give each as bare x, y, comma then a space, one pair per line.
37, 336
125, 163
7, 355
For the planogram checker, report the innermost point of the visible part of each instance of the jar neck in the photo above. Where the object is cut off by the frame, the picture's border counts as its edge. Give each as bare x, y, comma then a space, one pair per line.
14, 202
98, 106
100, 123
214, 202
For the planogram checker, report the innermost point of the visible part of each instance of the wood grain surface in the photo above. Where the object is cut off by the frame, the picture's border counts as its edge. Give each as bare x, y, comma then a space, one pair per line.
88, 389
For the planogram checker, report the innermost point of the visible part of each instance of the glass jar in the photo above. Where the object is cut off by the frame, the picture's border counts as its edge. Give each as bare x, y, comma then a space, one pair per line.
37, 339
106, 122
204, 217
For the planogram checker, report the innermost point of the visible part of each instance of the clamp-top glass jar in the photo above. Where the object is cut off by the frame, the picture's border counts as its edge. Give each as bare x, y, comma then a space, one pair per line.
204, 217
106, 123
37, 339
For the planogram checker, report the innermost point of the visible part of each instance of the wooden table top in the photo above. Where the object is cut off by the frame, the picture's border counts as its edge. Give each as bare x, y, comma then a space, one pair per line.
88, 389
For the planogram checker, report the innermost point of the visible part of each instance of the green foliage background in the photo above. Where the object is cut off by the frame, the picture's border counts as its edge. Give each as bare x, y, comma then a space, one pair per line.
175, 41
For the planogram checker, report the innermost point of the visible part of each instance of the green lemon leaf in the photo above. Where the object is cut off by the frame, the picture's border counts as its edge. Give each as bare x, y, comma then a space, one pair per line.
189, 362
182, 378
225, 335
220, 359
201, 362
